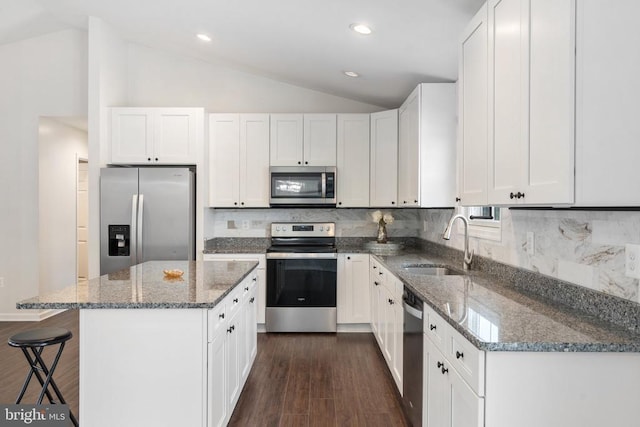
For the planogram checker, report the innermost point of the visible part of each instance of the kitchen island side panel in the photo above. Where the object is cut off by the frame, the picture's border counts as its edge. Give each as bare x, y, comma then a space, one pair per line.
144, 367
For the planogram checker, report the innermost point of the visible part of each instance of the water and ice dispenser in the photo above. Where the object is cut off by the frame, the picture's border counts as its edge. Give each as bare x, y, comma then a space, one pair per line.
119, 240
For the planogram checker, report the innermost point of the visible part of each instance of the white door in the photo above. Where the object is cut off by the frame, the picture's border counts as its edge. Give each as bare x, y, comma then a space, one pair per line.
319, 140
508, 100
472, 95
384, 159
224, 160
286, 140
131, 136
175, 138
254, 160
353, 160
409, 151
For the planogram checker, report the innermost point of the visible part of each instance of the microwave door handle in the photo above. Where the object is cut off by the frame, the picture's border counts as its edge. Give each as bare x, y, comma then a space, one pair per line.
323, 178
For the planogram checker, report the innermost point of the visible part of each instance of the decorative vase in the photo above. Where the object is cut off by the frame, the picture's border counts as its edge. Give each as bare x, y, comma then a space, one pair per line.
382, 232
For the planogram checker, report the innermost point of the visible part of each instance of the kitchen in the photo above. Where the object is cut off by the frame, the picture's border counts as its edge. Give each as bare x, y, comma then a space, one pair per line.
589, 250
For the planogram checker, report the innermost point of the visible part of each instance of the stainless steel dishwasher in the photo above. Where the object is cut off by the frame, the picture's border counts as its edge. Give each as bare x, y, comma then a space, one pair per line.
412, 356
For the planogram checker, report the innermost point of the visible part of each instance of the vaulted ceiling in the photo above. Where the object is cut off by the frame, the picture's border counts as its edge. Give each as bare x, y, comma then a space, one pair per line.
302, 42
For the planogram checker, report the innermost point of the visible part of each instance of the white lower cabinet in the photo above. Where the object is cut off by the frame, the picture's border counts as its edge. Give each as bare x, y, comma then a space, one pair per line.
387, 317
352, 303
261, 278
231, 350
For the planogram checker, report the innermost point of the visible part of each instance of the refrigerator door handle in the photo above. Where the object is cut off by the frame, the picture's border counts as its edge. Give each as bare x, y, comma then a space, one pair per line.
139, 228
133, 252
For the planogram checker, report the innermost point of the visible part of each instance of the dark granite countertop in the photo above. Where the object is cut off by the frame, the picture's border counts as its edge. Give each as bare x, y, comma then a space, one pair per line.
495, 316
203, 285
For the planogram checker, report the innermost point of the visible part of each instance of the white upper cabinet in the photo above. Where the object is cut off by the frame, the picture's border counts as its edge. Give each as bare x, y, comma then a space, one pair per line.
353, 160
156, 135
320, 140
607, 108
427, 147
384, 159
531, 48
409, 151
303, 140
238, 160
472, 153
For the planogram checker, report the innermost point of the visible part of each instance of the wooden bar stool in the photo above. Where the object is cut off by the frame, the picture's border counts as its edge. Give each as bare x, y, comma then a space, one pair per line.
35, 340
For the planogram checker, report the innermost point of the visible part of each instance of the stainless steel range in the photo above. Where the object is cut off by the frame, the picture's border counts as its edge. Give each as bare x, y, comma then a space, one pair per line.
301, 278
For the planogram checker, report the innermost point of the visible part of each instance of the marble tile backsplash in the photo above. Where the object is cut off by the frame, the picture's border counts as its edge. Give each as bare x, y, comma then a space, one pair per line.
349, 222
586, 248
582, 247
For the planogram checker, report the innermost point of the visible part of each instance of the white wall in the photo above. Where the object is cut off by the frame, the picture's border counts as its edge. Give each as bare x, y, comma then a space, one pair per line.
583, 247
59, 148
106, 87
42, 76
160, 79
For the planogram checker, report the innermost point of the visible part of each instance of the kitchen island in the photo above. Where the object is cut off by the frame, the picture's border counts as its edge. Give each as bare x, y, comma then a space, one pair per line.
162, 351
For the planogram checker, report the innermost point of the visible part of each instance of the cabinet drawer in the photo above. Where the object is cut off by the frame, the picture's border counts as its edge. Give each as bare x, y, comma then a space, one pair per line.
216, 319
435, 327
234, 300
467, 359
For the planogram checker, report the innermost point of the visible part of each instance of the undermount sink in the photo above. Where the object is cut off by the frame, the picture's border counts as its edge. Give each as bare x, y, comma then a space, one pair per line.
430, 270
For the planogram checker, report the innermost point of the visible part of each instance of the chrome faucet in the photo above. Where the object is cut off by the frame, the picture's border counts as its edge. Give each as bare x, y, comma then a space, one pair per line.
468, 254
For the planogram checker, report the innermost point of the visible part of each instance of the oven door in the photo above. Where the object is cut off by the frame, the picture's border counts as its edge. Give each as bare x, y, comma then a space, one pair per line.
301, 280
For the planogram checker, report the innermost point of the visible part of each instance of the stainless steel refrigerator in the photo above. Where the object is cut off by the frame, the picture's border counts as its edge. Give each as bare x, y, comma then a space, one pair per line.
145, 214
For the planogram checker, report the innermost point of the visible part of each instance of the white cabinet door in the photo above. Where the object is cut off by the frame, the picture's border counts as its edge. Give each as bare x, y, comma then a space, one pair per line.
216, 381
508, 99
551, 149
254, 160
607, 108
252, 328
319, 138
397, 330
234, 356
472, 153
286, 140
176, 134
384, 159
374, 286
131, 135
467, 409
353, 304
224, 160
409, 150
531, 99
435, 408
353, 160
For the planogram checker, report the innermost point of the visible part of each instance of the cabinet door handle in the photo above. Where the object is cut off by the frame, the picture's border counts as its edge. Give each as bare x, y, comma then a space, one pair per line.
246, 288
440, 364
306, 163
511, 195
375, 266
221, 315
149, 159
432, 327
391, 301
252, 300
235, 203
444, 370
380, 273
255, 279
459, 355
376, 283
458, 199
299, 163
393, 203
339, 203
235, 300
520, 195
415, 201
156, 159
348, 257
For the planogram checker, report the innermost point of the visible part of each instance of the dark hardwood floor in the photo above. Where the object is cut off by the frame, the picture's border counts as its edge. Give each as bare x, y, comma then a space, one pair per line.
319, 380
14, 367
297, 379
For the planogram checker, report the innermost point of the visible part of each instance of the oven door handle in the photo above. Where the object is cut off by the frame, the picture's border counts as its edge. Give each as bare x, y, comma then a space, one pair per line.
297, 255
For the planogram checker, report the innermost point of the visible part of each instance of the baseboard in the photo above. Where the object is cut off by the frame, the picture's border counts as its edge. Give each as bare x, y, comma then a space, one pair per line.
29, 315
354, 327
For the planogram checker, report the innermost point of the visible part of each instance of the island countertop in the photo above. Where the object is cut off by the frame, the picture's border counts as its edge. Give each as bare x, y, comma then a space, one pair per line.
203, 285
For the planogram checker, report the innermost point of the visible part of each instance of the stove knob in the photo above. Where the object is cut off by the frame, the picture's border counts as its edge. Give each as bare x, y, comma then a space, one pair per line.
277, 228
321, 228
328, 228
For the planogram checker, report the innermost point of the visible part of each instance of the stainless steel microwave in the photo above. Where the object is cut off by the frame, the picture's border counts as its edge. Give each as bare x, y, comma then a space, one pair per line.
302, 185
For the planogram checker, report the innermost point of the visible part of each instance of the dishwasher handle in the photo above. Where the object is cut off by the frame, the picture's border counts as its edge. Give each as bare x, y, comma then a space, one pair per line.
412, 310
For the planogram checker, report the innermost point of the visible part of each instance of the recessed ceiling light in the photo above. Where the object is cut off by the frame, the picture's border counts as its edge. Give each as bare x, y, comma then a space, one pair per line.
204, 37
351, 74
361, 28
